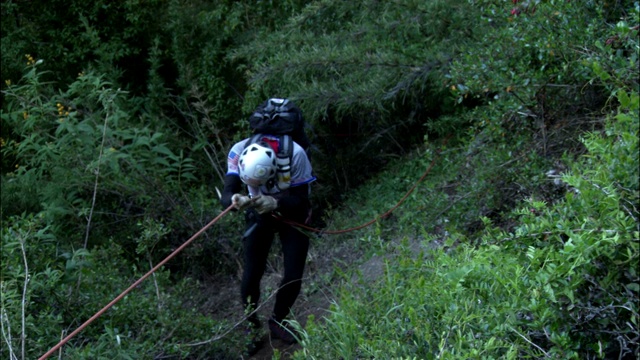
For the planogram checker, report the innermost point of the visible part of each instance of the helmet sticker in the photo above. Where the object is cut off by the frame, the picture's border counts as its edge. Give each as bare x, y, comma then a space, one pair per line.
260, 172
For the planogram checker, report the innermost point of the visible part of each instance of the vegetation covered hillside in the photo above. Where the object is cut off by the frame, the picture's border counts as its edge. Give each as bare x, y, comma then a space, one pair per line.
516, 121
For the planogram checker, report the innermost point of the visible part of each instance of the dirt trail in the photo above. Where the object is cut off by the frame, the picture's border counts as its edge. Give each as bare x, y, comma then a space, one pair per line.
315, 298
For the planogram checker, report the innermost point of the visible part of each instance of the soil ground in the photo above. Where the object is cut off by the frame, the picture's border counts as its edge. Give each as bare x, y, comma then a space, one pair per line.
315, 298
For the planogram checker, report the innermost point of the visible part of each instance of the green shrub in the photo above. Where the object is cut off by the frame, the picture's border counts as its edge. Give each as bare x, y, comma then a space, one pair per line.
584, 250
552, 276
49, 289
111, 38
526, 48
94, 162
85, 163
562, 284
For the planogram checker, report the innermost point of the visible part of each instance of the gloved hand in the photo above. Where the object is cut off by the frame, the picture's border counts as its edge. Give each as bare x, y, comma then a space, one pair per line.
265, 204
240, 202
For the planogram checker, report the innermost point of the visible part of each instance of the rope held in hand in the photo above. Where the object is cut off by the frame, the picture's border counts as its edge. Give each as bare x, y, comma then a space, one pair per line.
119, 297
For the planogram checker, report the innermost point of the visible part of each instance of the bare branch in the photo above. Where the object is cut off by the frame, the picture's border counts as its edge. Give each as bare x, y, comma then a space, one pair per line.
95, 185
23, 336
6, 334
530, 342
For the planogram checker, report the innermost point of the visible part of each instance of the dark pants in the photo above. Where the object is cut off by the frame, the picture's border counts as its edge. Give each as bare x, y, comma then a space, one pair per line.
257, 244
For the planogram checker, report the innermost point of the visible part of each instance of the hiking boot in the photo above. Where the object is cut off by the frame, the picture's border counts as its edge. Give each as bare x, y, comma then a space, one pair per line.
282, 331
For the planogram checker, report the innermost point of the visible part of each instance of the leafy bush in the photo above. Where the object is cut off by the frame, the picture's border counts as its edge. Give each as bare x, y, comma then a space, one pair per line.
89, 164
110, 38
534, 64
563, 284
48, 289
552, 275
93, 161
584, 250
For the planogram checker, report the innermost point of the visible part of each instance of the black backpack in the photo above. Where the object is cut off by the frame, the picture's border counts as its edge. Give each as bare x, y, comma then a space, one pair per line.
282, 118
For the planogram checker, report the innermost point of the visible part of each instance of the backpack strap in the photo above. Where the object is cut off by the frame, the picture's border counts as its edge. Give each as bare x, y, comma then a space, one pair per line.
284, 160
253, 139
285, 147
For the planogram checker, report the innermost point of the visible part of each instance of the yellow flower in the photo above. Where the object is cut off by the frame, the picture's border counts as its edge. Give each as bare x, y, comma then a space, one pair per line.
25, 115
8, 82
61, 111
30, 60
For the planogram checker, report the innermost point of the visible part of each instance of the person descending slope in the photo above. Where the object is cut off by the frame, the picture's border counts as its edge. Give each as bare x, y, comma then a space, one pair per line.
277, 174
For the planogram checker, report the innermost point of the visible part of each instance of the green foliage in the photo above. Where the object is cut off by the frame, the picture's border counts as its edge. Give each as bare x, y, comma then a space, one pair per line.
540, 56
110, 37
584, 250
90, 163
356, 57
525, 48
29, 274
47, 288
115, 134
562, 284
548, 268
444, 306
19, 195
71, 142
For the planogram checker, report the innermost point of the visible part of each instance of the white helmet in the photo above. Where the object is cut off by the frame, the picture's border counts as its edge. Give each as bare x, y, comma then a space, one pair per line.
257, 164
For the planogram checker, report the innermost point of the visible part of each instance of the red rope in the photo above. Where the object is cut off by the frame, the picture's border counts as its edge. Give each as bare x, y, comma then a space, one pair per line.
293, 223
160, 264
